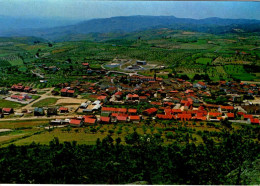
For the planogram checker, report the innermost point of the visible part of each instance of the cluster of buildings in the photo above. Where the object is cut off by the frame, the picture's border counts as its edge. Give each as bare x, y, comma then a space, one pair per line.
171, 99
21, 88
134, 98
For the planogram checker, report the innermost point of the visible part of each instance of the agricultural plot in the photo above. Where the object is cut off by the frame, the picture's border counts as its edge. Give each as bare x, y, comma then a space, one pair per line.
190, 71
238, 72
204, 61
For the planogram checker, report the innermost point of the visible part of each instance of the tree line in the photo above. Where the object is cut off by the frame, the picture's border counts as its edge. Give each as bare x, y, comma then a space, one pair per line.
143, 158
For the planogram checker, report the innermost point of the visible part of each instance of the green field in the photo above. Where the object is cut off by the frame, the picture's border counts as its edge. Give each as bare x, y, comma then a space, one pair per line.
9, 104
239, 72
204, 61
45, 102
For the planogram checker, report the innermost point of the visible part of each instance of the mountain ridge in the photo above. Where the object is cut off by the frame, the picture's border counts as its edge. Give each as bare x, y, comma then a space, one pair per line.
126, 24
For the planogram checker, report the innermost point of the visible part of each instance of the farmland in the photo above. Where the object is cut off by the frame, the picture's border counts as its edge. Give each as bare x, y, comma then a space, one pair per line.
169, 132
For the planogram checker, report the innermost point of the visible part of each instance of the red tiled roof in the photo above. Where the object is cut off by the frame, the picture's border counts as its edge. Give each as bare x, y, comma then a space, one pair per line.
14, 96
105, 119
215, 114
130, 110
189, 91
85, 64
254, 121
199, 118
21, 97
109, 109
134, 118
156, 103
167, 116
121, 118
184, 116
143, 97
63, 108
240, 113
176, 111
219, 118
101, 97
201, 108
201, 114
114, 114
75, 121
174, 91
64, 90
6, 109
124, 110
230, 115
227, 107
168, 103
118, 93
71, 91
201, 83
248, 116
151, 110
27, 88
90, 120
135, 96
167, 111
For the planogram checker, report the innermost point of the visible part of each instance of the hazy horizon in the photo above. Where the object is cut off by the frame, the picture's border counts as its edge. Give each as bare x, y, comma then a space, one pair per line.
83, 10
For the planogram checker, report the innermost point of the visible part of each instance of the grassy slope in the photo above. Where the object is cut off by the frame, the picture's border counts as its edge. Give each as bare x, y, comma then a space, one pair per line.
45, 102
9, 104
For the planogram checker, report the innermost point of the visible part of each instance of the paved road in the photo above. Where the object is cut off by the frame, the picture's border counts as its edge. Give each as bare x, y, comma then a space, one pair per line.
36, 117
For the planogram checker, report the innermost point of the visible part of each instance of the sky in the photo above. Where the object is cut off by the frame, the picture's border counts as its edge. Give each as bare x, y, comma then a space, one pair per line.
86, 9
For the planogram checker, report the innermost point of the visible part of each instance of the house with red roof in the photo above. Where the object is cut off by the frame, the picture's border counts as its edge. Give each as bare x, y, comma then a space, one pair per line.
118, 95
18, 87
7, 111
200, 85
132, 111
165, 116
150, 111
86, 65
230, 115
27, 89
121, 118
143, 98
184, 117
214, 115
63, 92
226, 108
89, 120
254, 121
76, 122
63, 110
70, 93
132, 97
189, 91
102, 98
247, 116
134, 118
104, 119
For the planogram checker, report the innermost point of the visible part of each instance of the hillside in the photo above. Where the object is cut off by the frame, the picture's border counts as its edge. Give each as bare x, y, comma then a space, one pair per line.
137, 23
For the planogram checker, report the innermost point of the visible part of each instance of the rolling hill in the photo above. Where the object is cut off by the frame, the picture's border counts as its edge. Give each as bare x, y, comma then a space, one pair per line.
137, 23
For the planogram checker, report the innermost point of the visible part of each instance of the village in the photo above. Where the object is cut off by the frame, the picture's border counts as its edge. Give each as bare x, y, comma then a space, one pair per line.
133, 98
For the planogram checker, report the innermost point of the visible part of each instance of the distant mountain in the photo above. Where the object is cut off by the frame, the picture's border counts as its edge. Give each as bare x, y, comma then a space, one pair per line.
136, 23
8, 23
